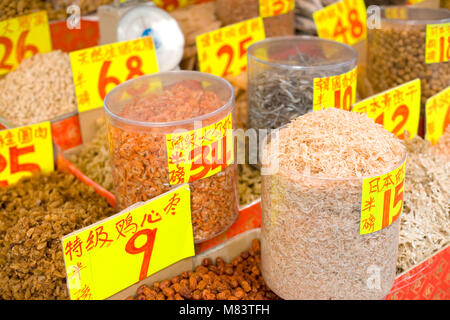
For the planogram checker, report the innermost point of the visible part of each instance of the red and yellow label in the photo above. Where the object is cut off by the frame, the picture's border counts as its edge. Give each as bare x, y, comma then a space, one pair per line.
344, 21
200, 153
24, 150
397, 109
399, 13
23, 37
270, 8
223, 52
382, 200
98, 70
336, 91
437, 46
110, 255
437, 110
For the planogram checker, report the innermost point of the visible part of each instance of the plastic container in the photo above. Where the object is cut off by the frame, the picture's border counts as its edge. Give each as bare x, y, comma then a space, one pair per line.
396, 51
311, 246
233, 11
281, 74
142, 113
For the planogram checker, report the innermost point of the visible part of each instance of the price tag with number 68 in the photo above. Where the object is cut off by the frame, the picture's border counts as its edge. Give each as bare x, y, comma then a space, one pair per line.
98, 70
110, 255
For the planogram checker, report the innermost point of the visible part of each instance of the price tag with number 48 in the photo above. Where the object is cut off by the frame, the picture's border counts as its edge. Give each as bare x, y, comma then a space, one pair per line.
23, 37
344, 21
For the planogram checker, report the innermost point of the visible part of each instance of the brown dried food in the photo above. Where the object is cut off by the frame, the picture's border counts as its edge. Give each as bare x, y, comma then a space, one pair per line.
235, 286
140, 158
34, 214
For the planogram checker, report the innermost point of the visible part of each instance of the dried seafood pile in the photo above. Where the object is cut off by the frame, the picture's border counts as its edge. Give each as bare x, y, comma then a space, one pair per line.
304, 9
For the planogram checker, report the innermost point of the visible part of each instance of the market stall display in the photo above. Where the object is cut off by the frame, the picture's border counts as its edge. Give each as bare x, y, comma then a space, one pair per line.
40, 89
35, 213
137, 134
318, 163
397, 52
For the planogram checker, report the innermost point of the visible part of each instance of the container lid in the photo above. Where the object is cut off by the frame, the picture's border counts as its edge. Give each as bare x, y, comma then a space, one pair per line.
149, 20
302, 52
416, 15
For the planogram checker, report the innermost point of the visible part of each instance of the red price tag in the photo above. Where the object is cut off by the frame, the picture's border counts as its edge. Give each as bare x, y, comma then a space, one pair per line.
145, 238
25, 150
223, 52
23, 37
98, 70
344, 21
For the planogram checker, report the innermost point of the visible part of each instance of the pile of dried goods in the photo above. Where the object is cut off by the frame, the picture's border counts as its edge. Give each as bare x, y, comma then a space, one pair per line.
140, 162
10, 9
311, 207
442, 148
425, 222
40, 89
94, 160
239, 279
249, 184
35, 214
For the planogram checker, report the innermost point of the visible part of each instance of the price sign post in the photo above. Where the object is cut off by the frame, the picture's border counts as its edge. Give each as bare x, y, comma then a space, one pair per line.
437, 111
24, 150
110, 255
223, 52
397, 109
23, 37
270, 8
437, 47
97, 70
344, 21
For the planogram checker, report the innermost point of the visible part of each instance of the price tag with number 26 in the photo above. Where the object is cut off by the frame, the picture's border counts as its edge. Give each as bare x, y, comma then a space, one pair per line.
110, 255
23, 37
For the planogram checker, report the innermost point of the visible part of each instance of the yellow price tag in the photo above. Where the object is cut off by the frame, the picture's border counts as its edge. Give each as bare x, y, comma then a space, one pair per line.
337, 91
110, 255
24, 150
397, 109
98, 70
270, 8
223, 52
437, 46
437, 111
399, 13
382, 200
200, 153
23, 37
344, 21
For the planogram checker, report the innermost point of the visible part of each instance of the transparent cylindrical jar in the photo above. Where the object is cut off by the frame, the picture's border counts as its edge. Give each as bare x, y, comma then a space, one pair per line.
311, 246
148, 114
396, 51
281, 73
233, 11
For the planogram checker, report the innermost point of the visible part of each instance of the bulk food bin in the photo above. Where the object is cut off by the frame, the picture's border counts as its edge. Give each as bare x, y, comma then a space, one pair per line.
151, 114
281, 73
396, 51
311, 241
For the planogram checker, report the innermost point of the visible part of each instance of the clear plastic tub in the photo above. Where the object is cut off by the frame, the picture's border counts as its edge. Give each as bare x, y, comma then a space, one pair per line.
141, 112
311, 247
396, 51
281, 74
233, 11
